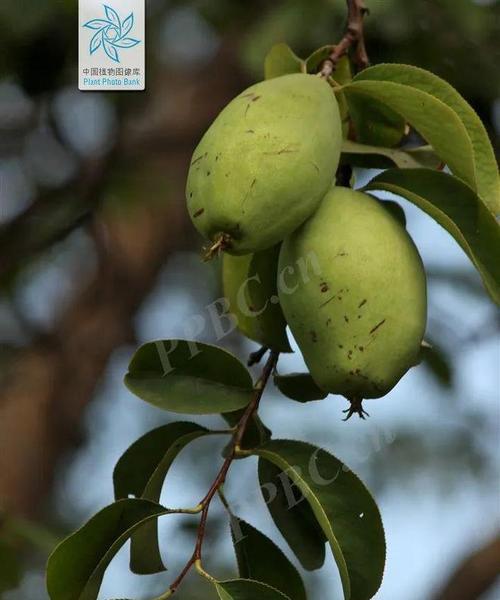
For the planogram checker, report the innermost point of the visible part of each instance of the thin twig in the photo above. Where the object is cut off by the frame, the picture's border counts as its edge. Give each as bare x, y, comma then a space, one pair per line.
221, 476
353, 37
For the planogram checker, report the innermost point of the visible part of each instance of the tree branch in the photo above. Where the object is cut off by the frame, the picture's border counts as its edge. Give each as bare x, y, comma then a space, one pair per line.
48, 384
251, 409
475, 575
353, 38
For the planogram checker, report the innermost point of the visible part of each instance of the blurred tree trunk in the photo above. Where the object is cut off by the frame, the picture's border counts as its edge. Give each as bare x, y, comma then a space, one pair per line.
51, 383
475, 575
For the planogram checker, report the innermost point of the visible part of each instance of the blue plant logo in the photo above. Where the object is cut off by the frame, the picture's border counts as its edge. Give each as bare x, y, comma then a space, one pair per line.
111, 33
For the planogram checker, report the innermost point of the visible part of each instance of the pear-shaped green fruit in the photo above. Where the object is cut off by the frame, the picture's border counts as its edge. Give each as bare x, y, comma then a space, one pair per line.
265, 163
249, 284
353, 290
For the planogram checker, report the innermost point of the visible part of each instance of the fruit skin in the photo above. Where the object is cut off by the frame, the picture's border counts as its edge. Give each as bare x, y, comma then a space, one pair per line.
265, 163
359, 316
249, 285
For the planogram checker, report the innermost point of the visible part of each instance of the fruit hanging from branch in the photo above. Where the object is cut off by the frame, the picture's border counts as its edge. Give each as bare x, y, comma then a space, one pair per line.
351, 287
265, 163
359, 316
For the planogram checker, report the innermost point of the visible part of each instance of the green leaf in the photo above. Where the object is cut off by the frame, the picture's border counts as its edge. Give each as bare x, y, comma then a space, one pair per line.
76, 567
189, 377
377, 157
344, 509
259, 558
292, 515
281, 60
436, 122
300, 387
246, 589
458, 209
435, 359
141, 471
486, 176
250, 286
373, 122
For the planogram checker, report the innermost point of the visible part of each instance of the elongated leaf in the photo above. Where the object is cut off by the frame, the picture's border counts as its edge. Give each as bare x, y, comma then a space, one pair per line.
281, 60
246, 589
300, 387
373, 122
189, 377
259, 558
487, 180
292, 515
141, 471
343, 507
436, 122
438, 363
377, 157
458, 209
250, 286
76, 567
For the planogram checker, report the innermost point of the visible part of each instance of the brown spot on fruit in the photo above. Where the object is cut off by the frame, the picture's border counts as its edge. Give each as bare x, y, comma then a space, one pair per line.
362, 303
361, 349
323, 286
199, 212
346, 318
198, 159
314, 336
374, 329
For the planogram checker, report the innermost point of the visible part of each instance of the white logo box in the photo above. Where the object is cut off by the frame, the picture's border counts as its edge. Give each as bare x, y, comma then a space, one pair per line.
111, 45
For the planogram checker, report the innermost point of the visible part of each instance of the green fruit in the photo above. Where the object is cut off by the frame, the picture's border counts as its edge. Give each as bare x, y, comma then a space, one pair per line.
358, 312
249, 284
265, 163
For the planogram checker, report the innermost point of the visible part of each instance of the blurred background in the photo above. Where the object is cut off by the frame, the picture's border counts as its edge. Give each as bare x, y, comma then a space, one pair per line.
97, 256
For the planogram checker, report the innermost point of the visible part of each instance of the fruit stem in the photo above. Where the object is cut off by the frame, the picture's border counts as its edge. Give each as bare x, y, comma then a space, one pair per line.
222, 242
354, 36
